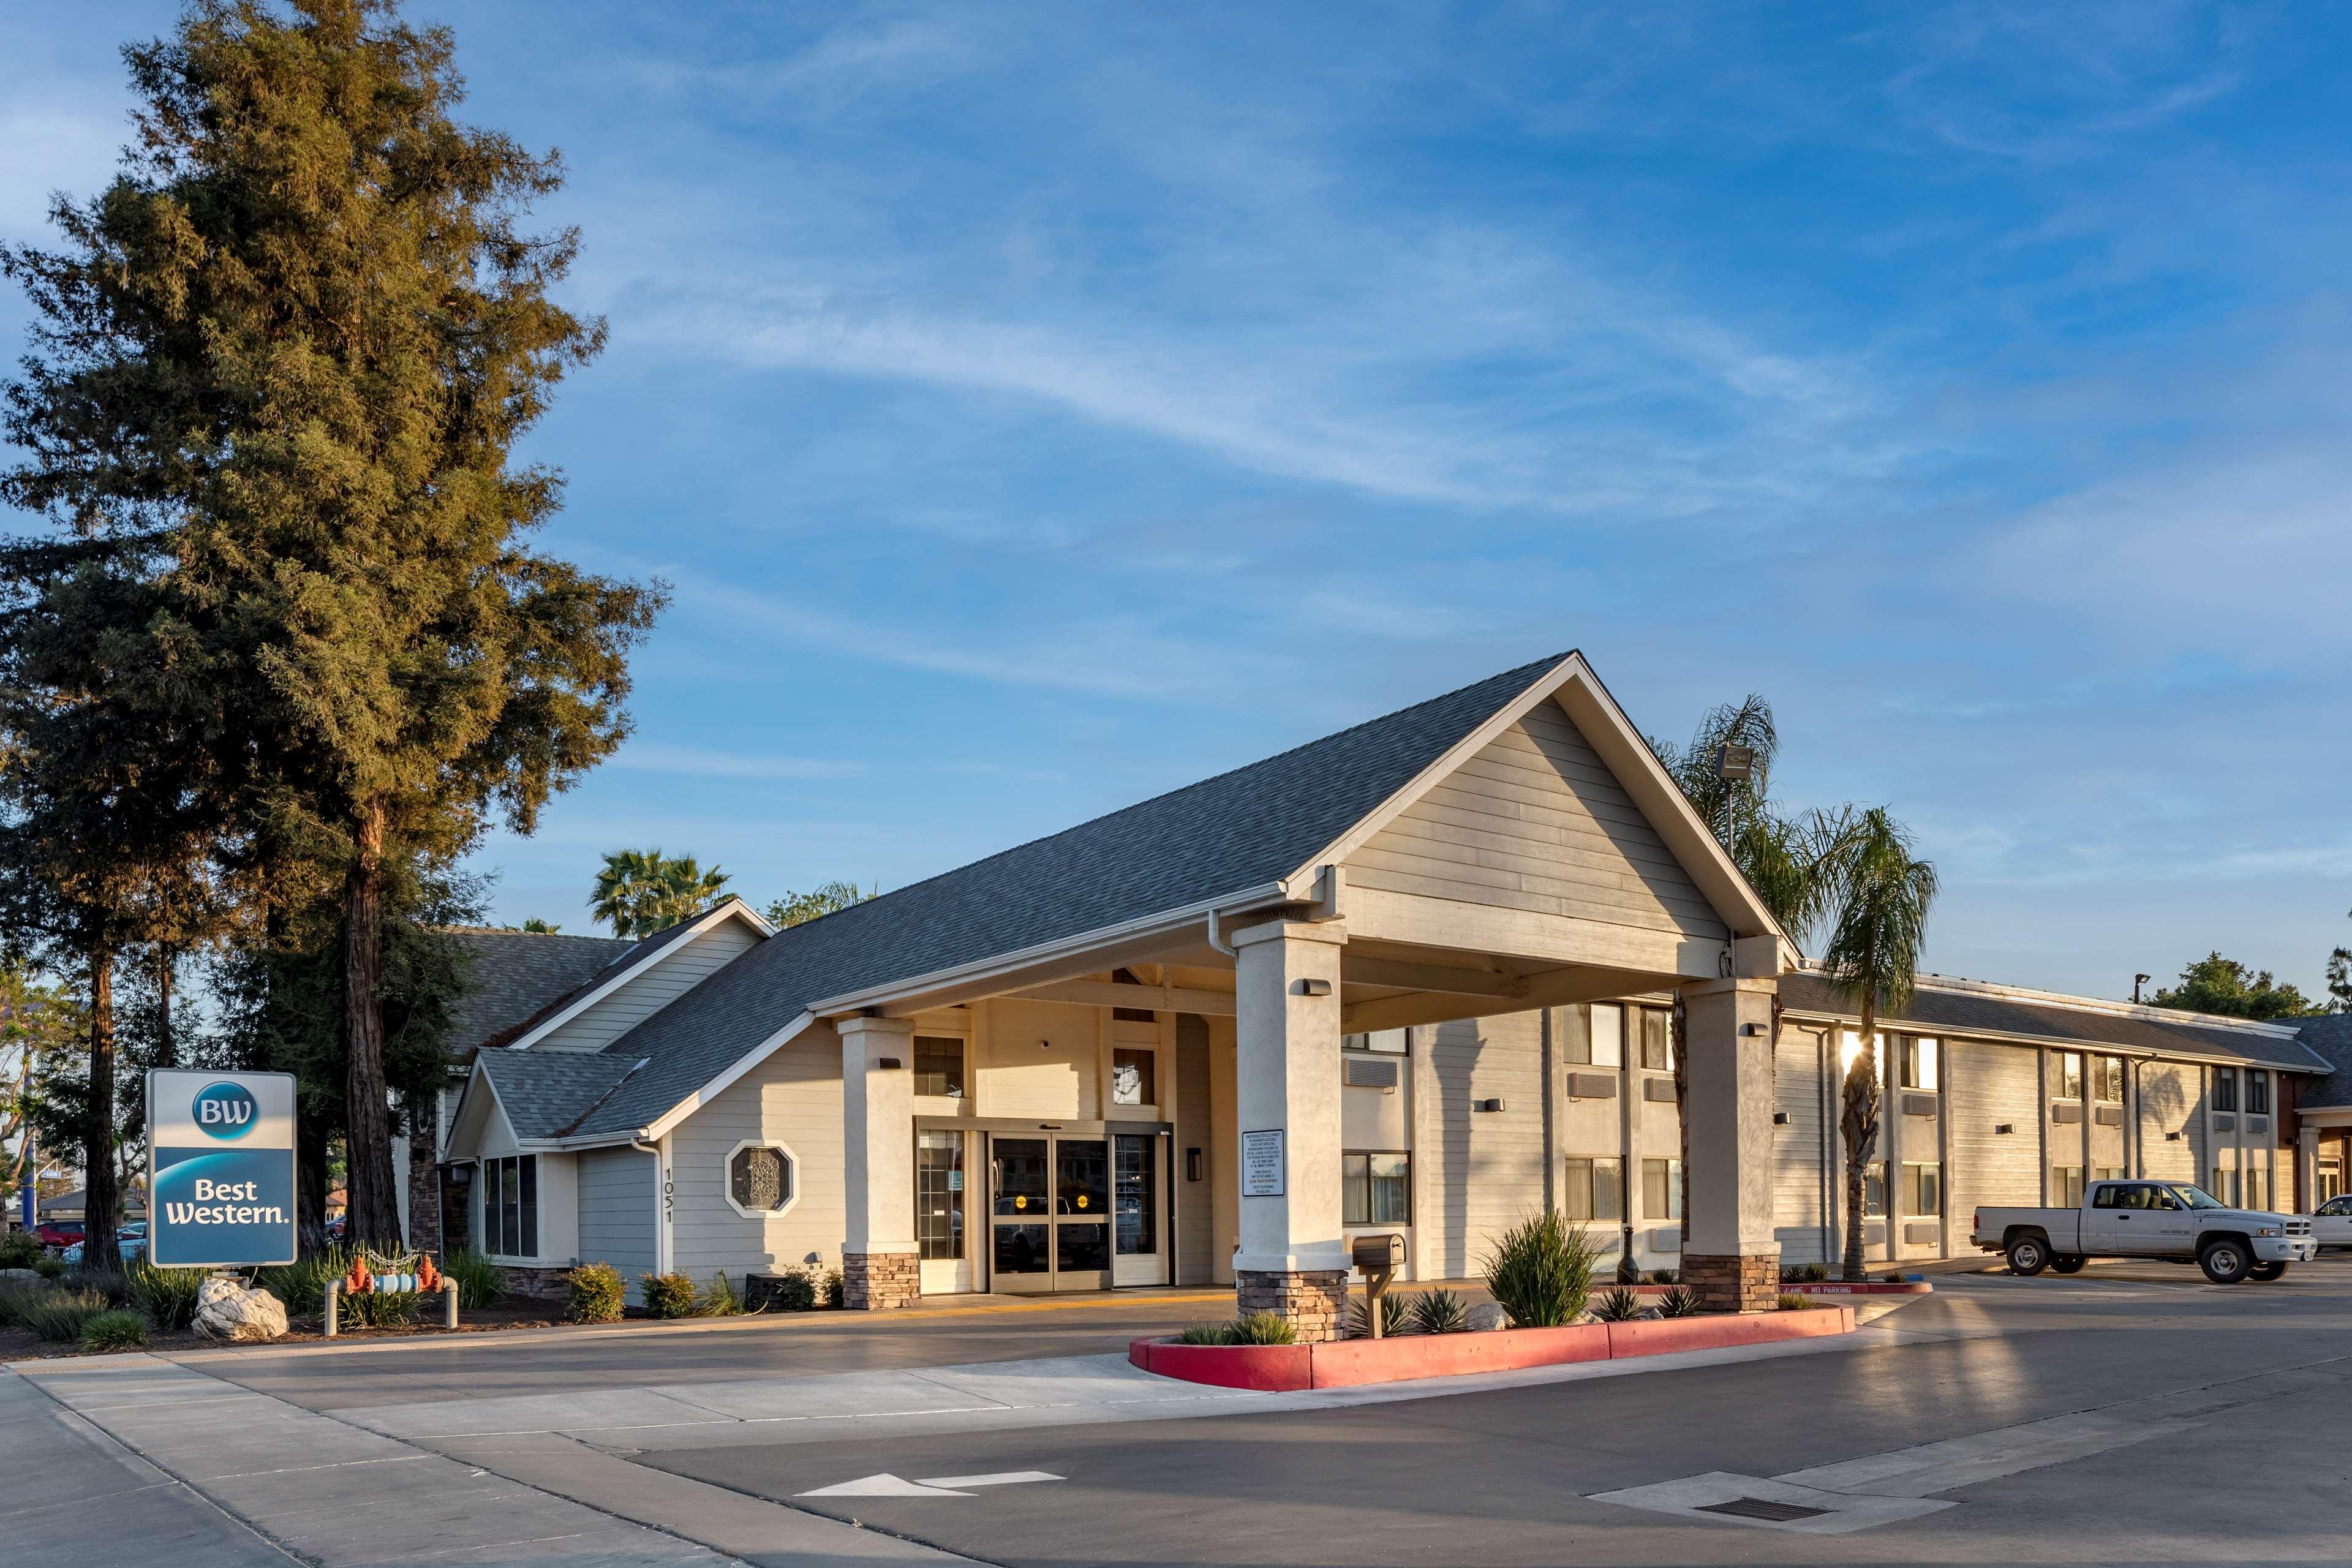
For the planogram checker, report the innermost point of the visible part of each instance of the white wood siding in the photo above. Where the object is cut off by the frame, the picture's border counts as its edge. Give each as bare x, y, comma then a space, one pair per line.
1536, 821
679, 971
794, 1100
1993, 1086
1196, 1223
1797, 1147
617, 1213
1484, 1170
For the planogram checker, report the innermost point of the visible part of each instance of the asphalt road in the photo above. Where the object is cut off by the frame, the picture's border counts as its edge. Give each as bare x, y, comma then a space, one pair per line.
2116, 1416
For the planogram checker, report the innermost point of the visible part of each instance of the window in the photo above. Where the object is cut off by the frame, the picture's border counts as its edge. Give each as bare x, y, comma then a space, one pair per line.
2258, 1187
1919, 1064
1603, 1045
2120, 1195
760, 1179
1596, 1188
2224, 1187
2070, 1075
2108, 1072
1133, 1080
1922, 1189
2067, 1186
2225, 1088
2106, 1173
1386, 1042
1135, 1197
1375, 1189
938, 1066
1873, 1190
510, 1205
938, 1194
2257, 1093
1661, 1189
1657, 1052
2331, 1182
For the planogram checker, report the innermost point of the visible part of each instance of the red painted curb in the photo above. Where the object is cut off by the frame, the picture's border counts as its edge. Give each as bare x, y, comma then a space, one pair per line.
1810, 1288
1663, 1336
1344, 1363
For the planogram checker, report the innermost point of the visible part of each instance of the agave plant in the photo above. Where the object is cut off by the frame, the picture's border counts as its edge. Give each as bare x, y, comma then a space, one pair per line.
1439, 1312
1540, 1271
1618, 1306
1679, 1301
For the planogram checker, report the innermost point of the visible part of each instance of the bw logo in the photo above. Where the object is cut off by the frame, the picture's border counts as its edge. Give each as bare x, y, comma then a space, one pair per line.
226, 1111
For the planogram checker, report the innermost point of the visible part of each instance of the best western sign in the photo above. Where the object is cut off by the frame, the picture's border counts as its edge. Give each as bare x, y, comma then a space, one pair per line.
220, 1168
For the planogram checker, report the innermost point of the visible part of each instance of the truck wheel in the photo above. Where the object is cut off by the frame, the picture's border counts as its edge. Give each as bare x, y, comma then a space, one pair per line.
2225, 1262
2067, 1265
2028, 1254
2266, 1272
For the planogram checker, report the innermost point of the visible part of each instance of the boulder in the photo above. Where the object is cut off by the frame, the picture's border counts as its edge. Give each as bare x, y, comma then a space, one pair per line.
227, 1311
1486, 1317
20, 1275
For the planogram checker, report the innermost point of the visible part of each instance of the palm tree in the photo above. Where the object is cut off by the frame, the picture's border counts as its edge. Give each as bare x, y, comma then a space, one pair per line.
1781, 857
640, 891
1881, 895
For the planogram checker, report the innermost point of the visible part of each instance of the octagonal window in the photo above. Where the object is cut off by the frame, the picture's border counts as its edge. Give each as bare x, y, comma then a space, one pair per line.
760, 1179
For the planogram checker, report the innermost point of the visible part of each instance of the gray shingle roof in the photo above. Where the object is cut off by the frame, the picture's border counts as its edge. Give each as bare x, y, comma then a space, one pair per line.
2328, 1037
516, 973
1223, 835
1941, 1012
631, 952
545, 1092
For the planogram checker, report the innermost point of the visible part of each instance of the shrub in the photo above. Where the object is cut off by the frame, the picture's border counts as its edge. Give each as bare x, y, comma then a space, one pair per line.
667, 1295
1395, 1318
115, 1330
721, 1300
1618, 1306
1262, 1329
47, 1268
111, 1283
794, 1291
595, 1294
829, 1293
61, 1315
1791, 1301
1540, 1271
19, 1249
1679, 1301
1663, 1276
480, 1282
1895, 1276
1204, 1334
301, 1286
1816, 1273
168, 1296
15, 1297
1439, 1312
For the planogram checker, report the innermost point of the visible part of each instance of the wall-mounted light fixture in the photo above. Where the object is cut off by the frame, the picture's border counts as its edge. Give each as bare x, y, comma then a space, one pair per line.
2004, 1127
1780, 1119
1192, 1164
889, 1064
2172, 1137
1315, 988
1495, 1104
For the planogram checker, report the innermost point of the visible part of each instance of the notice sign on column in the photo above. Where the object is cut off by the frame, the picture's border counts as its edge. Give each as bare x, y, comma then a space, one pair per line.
220, 1168
1262, 1163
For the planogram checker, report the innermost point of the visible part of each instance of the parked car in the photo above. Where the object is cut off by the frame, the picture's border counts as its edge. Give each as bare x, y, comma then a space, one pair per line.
2331, 1223
2174, 1220
59, 1232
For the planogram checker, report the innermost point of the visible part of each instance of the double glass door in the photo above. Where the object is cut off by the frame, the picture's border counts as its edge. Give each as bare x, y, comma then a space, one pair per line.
1049, 1212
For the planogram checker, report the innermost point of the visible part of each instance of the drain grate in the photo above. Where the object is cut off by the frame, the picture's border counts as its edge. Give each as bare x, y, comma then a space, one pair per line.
1759, 1508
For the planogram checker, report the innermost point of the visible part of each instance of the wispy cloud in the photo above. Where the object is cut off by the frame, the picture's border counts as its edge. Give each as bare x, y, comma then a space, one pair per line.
696, 762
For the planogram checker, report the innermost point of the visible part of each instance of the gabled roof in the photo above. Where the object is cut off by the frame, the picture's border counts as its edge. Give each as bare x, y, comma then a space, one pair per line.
517, 973
2329, 1037
633, 958
545, 1093
1942, 1006
1249, 829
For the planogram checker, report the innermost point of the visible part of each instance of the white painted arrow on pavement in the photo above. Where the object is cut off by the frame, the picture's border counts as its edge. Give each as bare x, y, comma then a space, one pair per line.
889, 1485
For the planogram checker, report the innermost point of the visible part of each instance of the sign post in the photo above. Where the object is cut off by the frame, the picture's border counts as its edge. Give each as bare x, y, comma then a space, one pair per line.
220, 1168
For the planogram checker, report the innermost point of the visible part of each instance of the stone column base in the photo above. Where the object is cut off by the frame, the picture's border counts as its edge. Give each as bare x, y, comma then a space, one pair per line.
1736, 1282
1315, 1301
880, 1281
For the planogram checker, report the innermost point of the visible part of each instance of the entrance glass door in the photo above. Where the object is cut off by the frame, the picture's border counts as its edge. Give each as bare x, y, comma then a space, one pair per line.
1049, 1214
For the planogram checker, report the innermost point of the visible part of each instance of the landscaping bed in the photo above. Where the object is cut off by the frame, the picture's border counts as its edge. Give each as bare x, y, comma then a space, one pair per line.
1342, 1363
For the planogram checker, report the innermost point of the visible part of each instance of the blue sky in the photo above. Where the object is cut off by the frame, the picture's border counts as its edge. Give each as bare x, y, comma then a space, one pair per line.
1038, 407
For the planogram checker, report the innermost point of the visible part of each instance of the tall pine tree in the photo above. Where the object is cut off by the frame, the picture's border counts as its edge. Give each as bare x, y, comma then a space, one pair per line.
293, 344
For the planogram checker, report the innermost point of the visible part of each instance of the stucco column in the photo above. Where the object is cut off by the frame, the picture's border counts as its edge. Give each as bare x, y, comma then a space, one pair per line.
2305, 1196
1733, 1257
1293, 1258
881, 1265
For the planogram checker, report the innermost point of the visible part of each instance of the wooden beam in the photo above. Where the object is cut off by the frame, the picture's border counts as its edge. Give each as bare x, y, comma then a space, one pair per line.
1430, 977
1377, 915
1555, 988
1110, 993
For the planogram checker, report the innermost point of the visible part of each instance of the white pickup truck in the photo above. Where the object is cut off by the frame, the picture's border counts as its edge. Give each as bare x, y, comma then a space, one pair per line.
2172, 1220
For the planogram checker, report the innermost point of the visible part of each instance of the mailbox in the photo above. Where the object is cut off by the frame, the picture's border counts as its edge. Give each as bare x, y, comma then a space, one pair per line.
1378, 1254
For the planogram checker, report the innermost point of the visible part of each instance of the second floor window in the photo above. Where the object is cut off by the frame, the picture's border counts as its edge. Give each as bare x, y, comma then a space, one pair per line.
2257, 1093
2225, 1088
2070, 1075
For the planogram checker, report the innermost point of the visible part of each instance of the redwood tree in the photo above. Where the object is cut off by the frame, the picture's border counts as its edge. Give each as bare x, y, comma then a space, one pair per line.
295, 342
